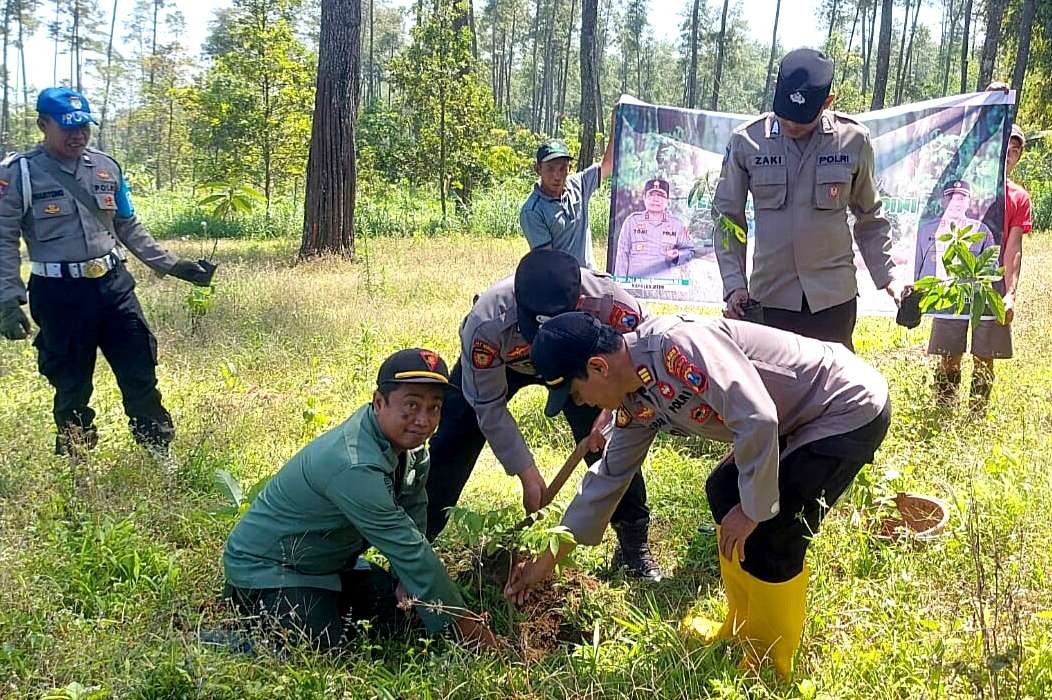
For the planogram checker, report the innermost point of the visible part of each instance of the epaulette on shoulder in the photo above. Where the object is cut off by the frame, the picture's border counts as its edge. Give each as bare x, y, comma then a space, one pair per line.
10, 158
97, 152
842, 116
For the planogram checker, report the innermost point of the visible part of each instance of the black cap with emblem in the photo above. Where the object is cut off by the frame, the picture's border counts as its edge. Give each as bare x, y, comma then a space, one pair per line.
414, 366
547, 282
804, 79
560, 351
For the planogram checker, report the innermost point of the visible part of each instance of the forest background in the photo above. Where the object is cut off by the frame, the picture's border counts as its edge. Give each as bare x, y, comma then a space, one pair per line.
455, 94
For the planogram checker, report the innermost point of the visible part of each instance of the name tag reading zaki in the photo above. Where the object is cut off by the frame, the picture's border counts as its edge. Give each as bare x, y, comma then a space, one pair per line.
761, 161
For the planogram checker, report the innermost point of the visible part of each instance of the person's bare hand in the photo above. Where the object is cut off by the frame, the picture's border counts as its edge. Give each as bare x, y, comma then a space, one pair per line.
895, 290
1009, 308
735, 528
596, 438
527, 575
533, 488
736, 303
476, 633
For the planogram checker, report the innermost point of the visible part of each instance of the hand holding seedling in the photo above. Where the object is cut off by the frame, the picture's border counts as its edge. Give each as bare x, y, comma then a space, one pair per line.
735, 528
527, 575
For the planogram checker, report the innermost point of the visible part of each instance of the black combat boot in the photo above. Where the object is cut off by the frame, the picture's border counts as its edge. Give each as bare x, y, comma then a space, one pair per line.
153, 434
75, 440
982, 383
946, 386
633, 551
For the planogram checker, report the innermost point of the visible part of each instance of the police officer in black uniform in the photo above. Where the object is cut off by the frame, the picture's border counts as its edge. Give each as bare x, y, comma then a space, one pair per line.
71, 205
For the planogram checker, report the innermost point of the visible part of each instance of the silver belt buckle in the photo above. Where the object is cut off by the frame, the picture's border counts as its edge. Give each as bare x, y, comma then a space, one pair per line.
93, 269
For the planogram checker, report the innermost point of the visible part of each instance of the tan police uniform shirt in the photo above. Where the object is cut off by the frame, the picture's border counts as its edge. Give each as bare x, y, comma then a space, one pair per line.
801, 193
58, 228
730, 381
492, 344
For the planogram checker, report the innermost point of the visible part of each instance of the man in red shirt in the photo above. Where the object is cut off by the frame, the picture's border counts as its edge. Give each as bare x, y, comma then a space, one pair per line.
990, 339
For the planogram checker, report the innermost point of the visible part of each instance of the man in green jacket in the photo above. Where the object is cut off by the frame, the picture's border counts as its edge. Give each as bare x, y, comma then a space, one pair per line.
292, 558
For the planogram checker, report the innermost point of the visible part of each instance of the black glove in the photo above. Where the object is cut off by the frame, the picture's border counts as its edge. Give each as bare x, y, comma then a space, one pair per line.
13, 322
199, 273
909, 314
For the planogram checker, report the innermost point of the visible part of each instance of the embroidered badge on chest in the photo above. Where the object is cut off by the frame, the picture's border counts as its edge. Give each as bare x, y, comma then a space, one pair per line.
623, 319
644, 414
678, 365
104, 175
666, 390
483, 354
52, 209
701, 413
834, 191
622, 418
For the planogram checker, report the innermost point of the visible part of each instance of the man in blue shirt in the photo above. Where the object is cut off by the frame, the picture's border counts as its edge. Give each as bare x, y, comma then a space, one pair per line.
555, 215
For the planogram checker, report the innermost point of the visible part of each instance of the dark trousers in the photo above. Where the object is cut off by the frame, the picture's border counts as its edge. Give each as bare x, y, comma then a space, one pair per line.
79, 317
320, 617
835, 324
456, 445
810, 480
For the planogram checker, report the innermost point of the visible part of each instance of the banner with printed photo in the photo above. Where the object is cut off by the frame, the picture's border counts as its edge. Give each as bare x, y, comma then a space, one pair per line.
937, 163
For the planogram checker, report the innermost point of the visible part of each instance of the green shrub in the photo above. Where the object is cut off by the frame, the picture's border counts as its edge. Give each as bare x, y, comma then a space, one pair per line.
106, 566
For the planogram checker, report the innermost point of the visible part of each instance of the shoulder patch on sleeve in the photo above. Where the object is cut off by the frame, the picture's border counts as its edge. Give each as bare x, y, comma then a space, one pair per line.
4, 185
623, 318
622, 418
483, 355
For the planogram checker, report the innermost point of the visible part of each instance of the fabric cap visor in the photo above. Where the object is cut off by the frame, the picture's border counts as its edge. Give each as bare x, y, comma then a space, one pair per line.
414, 366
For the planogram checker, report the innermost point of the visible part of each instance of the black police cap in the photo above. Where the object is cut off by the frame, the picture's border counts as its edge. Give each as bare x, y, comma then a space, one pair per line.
656, 184
805, 77
547, 282
414, 366
560, 351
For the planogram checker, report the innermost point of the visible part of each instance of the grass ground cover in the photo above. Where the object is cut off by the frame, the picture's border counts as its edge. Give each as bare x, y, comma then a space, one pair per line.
108, 574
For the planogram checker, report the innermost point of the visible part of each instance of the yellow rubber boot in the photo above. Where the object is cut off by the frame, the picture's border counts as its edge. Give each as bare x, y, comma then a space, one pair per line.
775, 620
735, 586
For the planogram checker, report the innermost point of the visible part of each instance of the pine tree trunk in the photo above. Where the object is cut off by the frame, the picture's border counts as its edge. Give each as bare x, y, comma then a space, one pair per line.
22, 64
949, 35
864, 46
1022, 53
832, 20
880, 79
328, 219
692, 68
589, 108
370, 94
964, 45
770, 57
717, 78
995, 11
850, 41
109, 80
534, 124
5, 109
901, 62
907, 71
560, 113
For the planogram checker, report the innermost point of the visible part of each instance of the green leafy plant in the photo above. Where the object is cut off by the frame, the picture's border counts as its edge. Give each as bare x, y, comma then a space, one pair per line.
76, 691
237, 500
229, 199
970, 281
